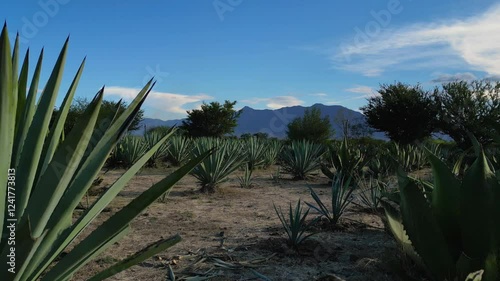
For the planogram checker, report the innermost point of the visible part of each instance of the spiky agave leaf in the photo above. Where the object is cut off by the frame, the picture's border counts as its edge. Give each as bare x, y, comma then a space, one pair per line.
271, 152
296, 226
254, 149
52, 179
129, 149
301, 158
424, 230
479, 210
216, 168
150, 139
179, 150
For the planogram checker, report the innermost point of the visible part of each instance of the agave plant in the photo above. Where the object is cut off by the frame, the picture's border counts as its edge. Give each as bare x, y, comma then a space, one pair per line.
382, 165
341, 198
48, 177
150, 139
128, 151
301, 158
346, 160
179, 150
271, 152
452, 229
254, 149
370, 192
246, 179
216, 168
296, 226
410, 157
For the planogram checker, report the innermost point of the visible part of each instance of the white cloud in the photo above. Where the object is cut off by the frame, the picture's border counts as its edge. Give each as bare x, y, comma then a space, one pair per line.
162, 104
319, 95
473, 42
275, 102
365, 90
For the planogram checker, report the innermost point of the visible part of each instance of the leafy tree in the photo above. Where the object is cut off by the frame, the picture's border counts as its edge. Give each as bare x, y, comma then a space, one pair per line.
352, 127
468, 107
212, 120
405, 113
107, 112
360, 130
310, 127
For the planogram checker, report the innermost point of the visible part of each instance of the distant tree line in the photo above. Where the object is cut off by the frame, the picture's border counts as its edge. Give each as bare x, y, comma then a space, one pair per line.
106, 114
408, 113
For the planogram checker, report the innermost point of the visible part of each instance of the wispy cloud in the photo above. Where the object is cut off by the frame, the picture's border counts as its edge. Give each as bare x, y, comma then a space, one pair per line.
365, 90
275, 102
318, 95
163, 104
473, 42
445, 78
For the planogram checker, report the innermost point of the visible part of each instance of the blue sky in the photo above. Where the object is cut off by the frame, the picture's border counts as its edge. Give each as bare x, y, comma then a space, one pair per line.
262, 53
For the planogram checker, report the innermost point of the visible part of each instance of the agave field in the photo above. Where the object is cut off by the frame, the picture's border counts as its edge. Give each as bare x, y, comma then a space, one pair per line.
97, 203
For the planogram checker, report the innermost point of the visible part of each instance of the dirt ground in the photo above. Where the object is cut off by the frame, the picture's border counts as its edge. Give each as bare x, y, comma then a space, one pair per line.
254, 242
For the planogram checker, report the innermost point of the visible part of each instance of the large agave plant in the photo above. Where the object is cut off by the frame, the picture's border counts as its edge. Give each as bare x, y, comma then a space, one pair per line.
129, 150
451, 227
301, 158
345, 160
254, 149
215, 169
47, 177
271, 152
179, 150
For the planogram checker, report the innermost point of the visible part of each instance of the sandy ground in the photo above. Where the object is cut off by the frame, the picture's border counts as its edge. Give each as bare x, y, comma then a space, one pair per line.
254, 241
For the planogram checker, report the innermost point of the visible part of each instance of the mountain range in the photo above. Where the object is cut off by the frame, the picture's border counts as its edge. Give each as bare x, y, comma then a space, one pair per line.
274, 122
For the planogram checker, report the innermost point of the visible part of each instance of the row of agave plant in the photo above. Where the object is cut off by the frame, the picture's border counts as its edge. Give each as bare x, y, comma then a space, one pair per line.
300, 159
232, 154
258, 153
